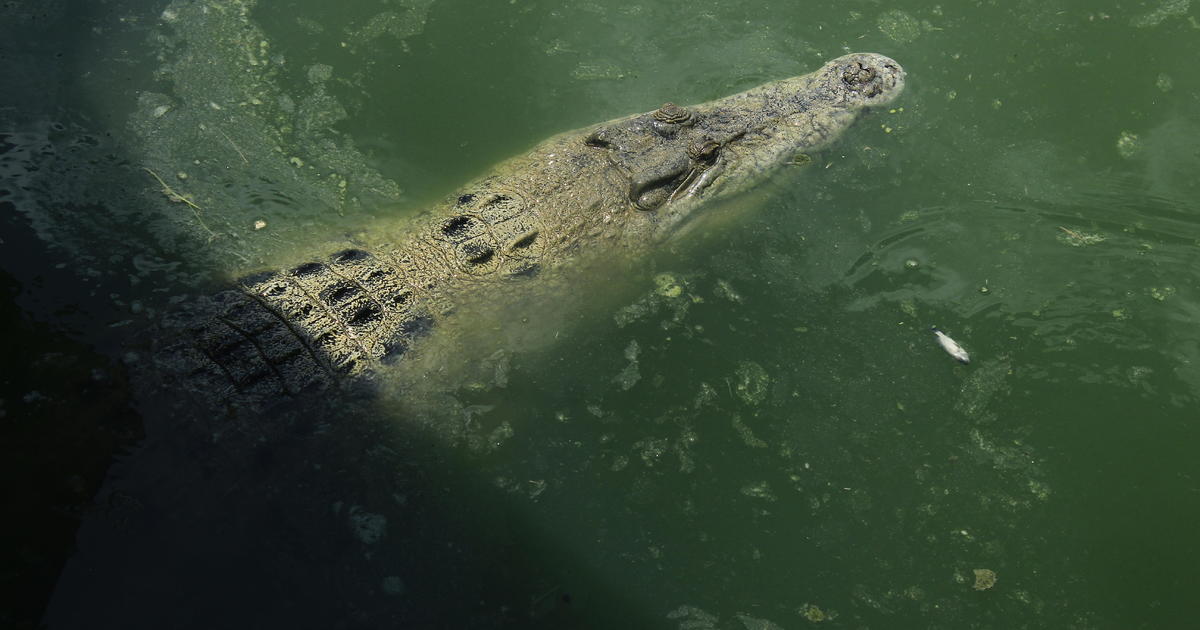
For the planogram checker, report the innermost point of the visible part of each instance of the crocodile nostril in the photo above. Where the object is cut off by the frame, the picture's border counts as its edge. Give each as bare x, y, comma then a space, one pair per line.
596, 140
858, 73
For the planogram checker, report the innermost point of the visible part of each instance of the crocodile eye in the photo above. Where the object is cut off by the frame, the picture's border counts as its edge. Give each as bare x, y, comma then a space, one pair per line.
704, 150
674, 114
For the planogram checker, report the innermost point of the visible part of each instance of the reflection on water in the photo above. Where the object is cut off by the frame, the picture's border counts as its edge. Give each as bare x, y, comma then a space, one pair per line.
752, 429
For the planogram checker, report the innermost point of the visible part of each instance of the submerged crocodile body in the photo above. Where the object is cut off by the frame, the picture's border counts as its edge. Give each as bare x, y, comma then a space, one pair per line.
615, 188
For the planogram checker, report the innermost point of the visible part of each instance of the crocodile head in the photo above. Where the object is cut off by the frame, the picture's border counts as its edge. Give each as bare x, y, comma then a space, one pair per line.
677, 159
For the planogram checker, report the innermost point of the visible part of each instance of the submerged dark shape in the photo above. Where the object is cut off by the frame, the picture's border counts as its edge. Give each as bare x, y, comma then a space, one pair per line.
613, 189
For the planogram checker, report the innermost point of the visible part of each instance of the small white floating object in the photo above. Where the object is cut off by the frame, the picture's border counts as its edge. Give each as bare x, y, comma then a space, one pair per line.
951, 346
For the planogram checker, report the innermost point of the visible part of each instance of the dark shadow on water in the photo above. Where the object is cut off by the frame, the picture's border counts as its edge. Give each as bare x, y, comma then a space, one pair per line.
64, 414
344, 522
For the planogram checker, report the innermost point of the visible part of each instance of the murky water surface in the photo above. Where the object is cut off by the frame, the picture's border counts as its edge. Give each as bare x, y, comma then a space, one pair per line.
756, 430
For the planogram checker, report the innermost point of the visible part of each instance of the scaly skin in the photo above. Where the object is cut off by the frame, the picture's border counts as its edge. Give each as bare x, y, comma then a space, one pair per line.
613, 189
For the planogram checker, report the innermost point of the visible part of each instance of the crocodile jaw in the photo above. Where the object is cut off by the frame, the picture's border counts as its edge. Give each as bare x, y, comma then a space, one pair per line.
765, 127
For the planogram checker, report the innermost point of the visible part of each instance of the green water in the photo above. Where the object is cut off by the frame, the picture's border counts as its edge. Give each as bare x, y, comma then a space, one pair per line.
777, 443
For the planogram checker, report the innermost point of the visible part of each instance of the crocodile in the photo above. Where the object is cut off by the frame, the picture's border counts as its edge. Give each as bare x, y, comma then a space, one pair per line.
613, 189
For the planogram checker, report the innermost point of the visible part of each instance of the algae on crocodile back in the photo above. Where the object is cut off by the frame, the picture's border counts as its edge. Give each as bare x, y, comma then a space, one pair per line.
603, 195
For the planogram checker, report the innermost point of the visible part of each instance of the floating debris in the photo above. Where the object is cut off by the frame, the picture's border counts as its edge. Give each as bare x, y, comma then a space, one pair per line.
899, 26
755, 623
1128, 144
500, 435
1040, 489
1078, 239
667, 285
1168, 9
694, 618
751, 382
747, 433
814, 614
651, 450
630, 375
234, 145
726, 290
951, 346
759, 490
984, 579
1161, 293
175, 197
